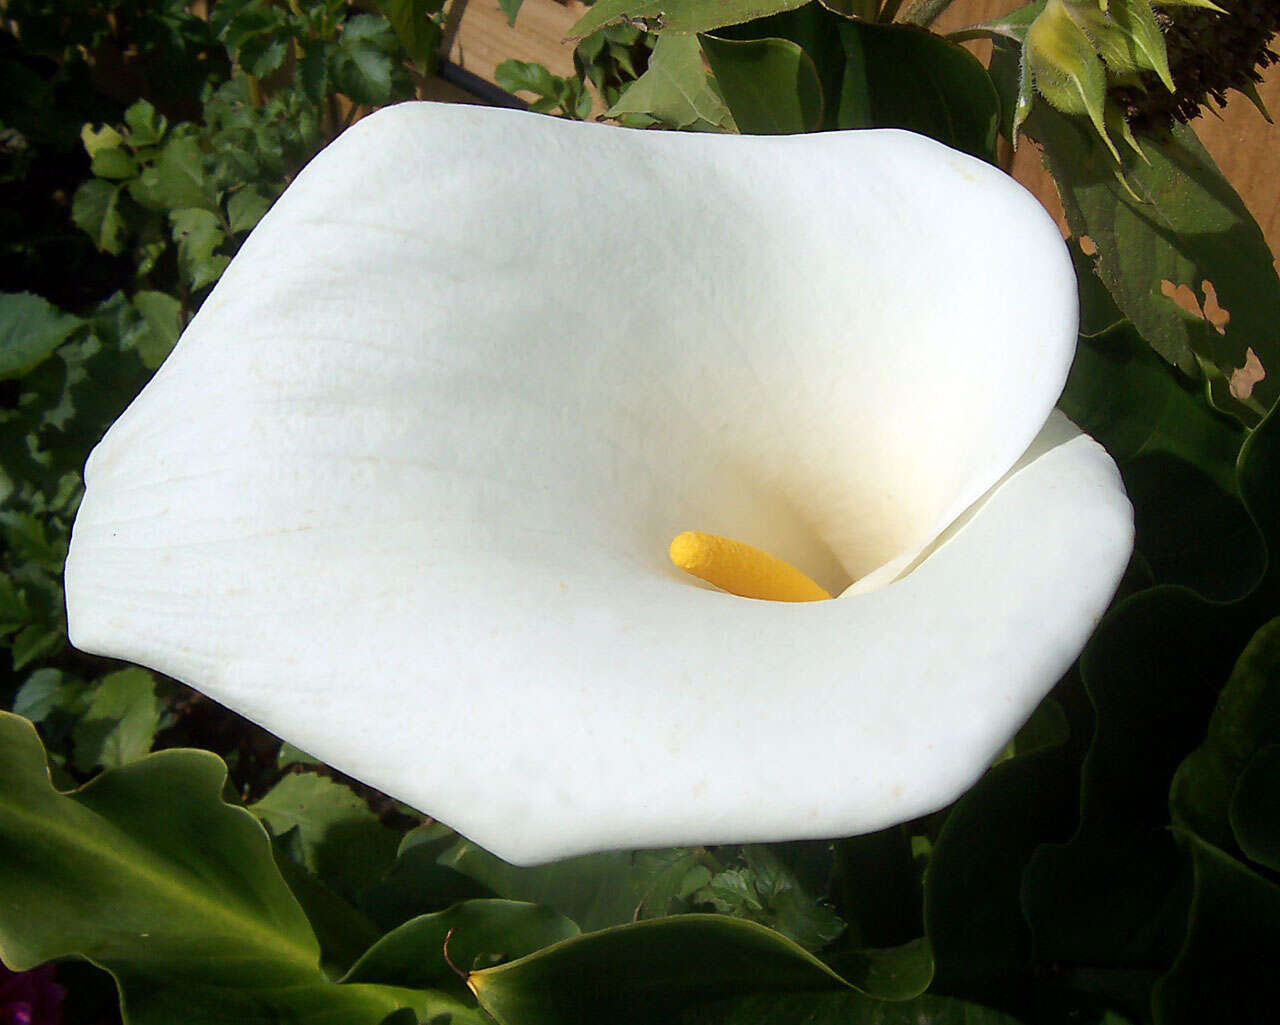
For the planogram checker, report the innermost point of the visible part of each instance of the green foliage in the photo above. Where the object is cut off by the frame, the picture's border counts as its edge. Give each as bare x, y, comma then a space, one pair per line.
1115, 865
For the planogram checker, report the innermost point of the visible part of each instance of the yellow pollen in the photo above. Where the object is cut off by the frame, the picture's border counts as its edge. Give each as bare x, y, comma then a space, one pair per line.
741, 569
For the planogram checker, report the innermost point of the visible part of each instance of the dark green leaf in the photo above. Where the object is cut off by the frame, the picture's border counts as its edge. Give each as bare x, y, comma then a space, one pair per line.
769, 85
36, 642
31, 328
427, 952
897, 76
1226, 963
598, 977
847, 1008
178, 179
245, 208
1245, 719
1112, 895
510, 8
1190, 227
682, 16
418, 884
341, 840
113, 163
198, 233
1255, 808
876, 888
973, 909
146, 871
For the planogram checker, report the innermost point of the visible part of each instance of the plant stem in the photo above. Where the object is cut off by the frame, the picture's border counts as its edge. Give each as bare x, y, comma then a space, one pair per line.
925, 12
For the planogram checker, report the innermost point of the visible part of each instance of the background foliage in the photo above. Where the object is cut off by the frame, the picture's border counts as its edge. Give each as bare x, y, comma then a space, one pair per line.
1119, 864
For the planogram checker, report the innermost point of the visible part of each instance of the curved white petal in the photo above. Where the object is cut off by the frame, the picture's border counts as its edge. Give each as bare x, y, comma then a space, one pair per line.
404, 490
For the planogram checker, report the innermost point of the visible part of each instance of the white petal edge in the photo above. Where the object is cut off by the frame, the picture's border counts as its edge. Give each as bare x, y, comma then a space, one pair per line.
387, 500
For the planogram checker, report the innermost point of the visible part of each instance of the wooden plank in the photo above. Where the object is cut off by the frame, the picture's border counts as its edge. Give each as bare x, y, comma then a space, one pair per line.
1244, 145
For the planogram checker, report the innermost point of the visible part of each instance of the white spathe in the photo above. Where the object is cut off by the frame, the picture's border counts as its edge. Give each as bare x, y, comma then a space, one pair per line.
403, 492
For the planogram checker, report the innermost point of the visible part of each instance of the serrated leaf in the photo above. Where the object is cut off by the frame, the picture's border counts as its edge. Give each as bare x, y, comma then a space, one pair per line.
526, 76
177, 180
113, 163
31, 329
163, 316
418, 33
146, 126
341, 839
770, 86
198, 233
34, 643
146, 871
47, 691
96, 140
96, 212
427, 952
681, 16
120, 722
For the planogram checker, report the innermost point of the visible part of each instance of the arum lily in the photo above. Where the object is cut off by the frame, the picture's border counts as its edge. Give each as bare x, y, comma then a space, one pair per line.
404, 491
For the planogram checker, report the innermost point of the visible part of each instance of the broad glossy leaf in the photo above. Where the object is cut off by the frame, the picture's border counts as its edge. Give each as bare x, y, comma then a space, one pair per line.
686, 958
769, 85
146, 872
1136, 404
340, 838
1189, 227
973, 910
846, 1008
418, 33
897, 76
675, 88
595, 890
683, 16
1255, 808
876, 888
1245, 719
427, 952
417, 884
1226, 964
1111, 896
31, 328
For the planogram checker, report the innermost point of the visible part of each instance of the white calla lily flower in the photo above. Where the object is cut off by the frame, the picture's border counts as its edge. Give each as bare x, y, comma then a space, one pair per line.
404, 491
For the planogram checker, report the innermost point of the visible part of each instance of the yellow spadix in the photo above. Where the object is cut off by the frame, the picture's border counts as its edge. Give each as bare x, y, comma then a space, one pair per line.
742, 569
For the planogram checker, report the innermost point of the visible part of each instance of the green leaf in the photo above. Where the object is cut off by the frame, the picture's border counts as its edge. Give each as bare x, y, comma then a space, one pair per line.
1190, 227
675, 88
510, 8
1112, 895
96, 212
766, 891
595, 890
1245, 719
1127, 38
681, 16
973, 907
31, 328
245, 208
418, 884
685, 958
1255, 808
897, 76
848, 1008
1133, 402
427, 952
146, 127
177, 180
14, 611
527, 76
120, 722
198, 233
876, 888
113, 163
96, 140
1234, 919
47, 691
36, 642
341, 840
163, 316
146, 872
769, 85
363, 63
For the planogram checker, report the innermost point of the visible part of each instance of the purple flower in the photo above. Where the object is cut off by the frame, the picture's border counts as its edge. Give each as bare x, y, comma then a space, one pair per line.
30, 998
